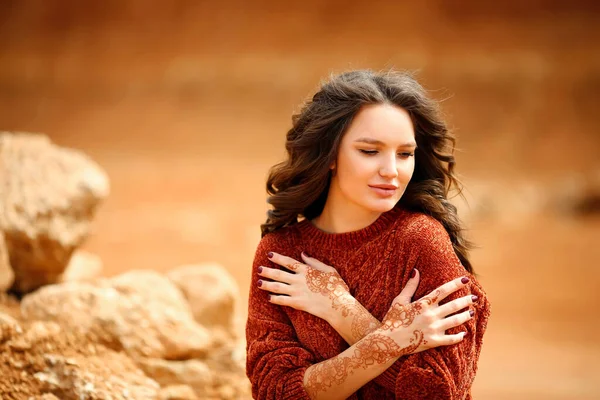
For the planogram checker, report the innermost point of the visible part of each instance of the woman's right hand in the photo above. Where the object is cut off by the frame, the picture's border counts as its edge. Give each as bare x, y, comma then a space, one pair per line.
421, 325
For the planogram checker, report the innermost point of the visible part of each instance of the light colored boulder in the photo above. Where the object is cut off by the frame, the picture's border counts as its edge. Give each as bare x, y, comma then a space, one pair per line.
50, 195
45, 396
177, 392
211, 292
123, 314
228, 366
193, 373
6, 273
83, 266
109, 376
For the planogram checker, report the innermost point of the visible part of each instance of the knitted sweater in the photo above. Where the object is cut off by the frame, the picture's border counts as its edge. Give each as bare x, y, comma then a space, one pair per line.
375, 262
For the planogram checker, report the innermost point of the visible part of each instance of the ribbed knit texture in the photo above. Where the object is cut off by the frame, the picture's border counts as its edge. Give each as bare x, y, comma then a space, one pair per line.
376, 263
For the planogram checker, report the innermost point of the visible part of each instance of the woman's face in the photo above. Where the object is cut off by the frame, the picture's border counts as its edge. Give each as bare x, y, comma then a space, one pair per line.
375, 160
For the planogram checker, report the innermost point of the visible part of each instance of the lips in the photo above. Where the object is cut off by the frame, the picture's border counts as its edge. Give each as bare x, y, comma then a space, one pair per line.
384, 190
388, 187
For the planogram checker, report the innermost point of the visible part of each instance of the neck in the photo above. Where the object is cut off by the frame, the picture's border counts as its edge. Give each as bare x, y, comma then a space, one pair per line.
339, 216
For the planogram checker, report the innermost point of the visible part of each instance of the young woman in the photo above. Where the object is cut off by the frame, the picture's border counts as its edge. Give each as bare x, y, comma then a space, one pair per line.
368, 173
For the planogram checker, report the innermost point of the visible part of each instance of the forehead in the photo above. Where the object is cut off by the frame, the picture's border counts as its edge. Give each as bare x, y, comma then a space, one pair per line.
387, 123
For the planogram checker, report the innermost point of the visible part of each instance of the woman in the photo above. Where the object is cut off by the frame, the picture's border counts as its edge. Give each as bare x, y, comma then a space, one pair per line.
369, 169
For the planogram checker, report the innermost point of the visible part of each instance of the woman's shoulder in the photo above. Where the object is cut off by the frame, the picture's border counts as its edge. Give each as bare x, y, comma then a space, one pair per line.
419, 226
279, 239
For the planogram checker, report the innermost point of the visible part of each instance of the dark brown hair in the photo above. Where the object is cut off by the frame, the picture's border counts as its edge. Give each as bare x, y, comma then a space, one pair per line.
299, 185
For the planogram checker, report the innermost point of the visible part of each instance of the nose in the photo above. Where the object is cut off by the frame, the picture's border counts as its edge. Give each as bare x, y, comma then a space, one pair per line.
389, 168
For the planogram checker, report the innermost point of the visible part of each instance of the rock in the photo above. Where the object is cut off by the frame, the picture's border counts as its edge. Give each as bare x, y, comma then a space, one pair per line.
177, 392
49, 196
9, 327
211, 292
37, 332
6, 273
110, 376
83, 266
193, 373
124, 315
228, 367
45, 396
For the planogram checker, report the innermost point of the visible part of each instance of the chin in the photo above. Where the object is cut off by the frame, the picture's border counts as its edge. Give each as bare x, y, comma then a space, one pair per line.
381, 205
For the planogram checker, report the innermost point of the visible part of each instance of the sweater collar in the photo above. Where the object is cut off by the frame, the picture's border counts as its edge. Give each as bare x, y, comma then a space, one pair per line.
353, 238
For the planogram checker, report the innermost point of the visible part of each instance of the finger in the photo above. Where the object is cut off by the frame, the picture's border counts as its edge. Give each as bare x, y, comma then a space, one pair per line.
446, 290
274, 287
448, 340
455, 305
456, 320
276, 274
287, 262
313, 262
405, 296
282, 300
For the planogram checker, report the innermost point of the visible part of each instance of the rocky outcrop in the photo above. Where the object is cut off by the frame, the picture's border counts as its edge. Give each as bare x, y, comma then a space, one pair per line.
141, 313
77, 335
49, 196
6, 273
215, 304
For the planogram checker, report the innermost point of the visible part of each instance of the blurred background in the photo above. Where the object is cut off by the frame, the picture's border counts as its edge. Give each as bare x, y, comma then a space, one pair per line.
186, 104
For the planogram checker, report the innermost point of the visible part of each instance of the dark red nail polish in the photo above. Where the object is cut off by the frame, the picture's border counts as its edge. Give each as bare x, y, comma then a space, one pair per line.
270, 254
465, 280
413, 273
471, 312
259, 270
259, 282
269, 297
474, 298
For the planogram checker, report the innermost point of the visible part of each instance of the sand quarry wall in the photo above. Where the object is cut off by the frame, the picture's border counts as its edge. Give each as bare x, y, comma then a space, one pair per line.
185, 106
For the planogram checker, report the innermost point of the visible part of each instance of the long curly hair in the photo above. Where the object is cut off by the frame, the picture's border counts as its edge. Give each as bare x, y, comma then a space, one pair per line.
298, 186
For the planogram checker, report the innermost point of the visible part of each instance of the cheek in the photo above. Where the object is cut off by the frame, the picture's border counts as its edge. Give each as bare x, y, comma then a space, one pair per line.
406, 170
354, 170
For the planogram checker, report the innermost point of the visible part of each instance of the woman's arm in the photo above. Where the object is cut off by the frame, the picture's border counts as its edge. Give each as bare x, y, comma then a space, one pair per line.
275, 360
406, 329
320, 291
445, 372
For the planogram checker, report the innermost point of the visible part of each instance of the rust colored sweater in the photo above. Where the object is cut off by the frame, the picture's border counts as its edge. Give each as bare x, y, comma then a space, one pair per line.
375, 262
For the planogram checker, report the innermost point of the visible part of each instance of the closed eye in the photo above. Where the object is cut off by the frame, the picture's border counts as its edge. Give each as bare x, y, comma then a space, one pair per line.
373, 152
369, 152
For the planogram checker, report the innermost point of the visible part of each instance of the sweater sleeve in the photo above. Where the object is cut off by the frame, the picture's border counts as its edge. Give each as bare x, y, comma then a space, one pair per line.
275, 360
445, 372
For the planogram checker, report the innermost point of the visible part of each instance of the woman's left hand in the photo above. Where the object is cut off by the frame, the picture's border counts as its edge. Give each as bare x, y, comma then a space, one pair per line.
311, 286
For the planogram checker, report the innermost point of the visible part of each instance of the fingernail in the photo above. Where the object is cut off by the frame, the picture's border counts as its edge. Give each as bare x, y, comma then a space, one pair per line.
413, 273
259, 282
471, 312
269, 297
270, 254
260, 270
474, 298
465, 280
464, 334
305, 254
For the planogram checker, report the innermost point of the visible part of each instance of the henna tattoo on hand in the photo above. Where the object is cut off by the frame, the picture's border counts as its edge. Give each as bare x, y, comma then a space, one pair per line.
372, 350
363, 323
400, 315
330, 284
293, 267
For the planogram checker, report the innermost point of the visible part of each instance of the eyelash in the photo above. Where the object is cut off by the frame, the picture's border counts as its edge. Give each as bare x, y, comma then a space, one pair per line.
373, 152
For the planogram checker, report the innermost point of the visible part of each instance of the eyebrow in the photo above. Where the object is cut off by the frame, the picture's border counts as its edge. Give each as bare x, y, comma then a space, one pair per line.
380, 143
